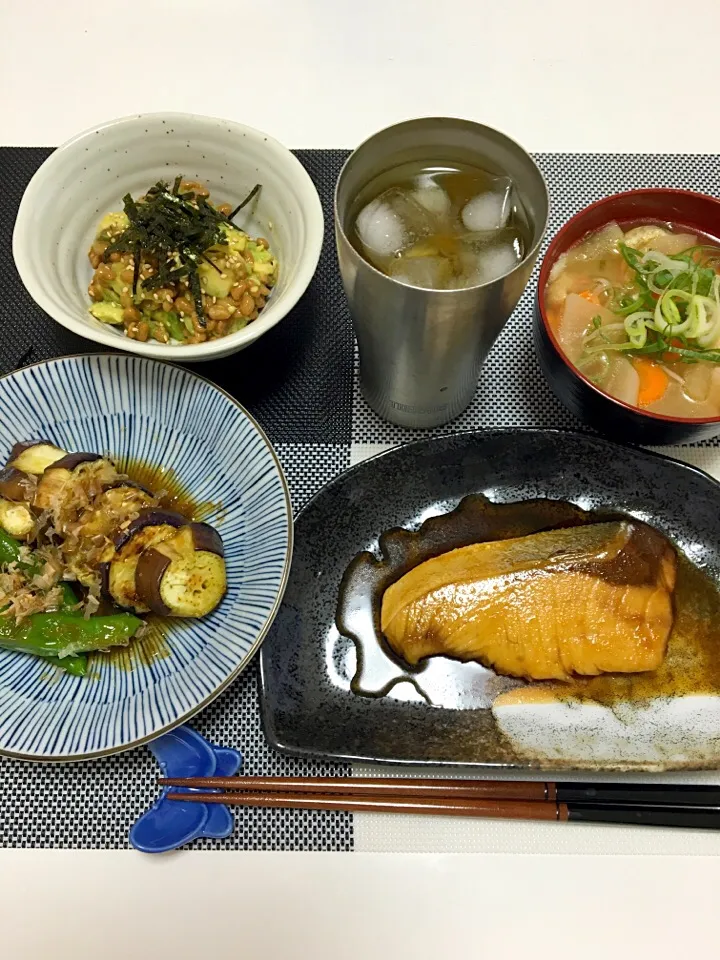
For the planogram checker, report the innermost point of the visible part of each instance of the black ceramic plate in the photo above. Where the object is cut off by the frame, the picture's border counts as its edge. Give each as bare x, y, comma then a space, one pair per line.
307, 666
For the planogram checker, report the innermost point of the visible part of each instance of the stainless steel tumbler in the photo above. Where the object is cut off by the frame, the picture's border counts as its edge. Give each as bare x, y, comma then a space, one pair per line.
421, 350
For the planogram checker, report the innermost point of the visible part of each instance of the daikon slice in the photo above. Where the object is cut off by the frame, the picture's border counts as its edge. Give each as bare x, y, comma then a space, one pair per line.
623, 381
577, 317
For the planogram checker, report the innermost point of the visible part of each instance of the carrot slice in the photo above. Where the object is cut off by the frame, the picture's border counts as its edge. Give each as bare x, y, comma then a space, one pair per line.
669, 356
589, 296
653, 380
554, 315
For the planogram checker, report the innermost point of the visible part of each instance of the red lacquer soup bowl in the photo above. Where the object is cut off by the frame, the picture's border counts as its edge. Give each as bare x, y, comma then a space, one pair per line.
685, 210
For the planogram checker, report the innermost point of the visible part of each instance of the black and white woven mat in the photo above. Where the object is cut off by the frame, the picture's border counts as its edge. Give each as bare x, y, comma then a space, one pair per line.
300, 381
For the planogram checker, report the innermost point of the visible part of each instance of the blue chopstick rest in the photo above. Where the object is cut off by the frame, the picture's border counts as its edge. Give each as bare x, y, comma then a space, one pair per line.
170, 824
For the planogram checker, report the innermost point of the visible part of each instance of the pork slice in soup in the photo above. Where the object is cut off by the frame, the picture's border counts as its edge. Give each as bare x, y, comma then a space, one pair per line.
637, 311
649, 236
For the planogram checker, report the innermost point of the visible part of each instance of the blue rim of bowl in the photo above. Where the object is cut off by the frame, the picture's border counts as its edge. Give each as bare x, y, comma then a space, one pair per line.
141, 741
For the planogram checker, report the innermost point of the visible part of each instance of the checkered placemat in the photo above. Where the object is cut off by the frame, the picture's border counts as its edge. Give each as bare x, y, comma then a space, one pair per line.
300, 381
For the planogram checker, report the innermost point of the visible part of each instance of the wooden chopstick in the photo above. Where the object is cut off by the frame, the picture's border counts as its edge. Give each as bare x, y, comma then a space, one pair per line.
377, 787
623, 793
649, 814
460, 807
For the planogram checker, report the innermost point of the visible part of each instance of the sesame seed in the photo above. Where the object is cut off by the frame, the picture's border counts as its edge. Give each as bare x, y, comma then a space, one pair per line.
125, 289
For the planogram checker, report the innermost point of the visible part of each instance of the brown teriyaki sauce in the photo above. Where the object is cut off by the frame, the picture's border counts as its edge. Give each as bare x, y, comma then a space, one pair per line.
691, 665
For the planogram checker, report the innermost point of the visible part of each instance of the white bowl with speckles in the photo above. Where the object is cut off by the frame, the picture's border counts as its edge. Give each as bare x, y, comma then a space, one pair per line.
88, 176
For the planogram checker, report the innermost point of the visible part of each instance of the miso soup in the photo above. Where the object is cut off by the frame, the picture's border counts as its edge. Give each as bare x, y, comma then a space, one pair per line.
636, 309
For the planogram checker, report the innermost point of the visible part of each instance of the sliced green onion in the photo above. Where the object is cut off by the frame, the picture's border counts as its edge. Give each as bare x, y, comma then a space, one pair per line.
662, 262
692, 356
642, 302
667, 316
710, 335
636, 327
603, 289
632, 257
603, 332
701, 314
673, 305
595, 367
594, 350
713, 335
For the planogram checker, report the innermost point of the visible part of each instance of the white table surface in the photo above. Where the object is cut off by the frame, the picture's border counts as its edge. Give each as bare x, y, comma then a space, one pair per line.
556, 75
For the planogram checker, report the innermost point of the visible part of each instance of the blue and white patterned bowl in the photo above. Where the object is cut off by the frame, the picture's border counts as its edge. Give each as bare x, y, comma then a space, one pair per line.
134, 408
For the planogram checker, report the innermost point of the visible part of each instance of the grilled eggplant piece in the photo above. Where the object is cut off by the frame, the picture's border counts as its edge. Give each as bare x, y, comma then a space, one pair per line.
119, 575
35, 456
118, 503
56, 478
183, 576
16, 485
17, 489
16, 519
72, 460
100, 525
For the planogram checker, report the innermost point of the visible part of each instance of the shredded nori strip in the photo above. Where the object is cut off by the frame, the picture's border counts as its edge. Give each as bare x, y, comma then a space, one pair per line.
245, 202
174, 229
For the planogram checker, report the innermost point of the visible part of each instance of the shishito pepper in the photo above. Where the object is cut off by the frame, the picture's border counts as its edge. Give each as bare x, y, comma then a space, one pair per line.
77, 666
9, 549
65, 636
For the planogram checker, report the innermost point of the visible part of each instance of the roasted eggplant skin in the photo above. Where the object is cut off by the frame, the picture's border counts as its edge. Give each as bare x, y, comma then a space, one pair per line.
34, 456
185, 575
16, 485
59, 473
17, 490
130, 543
207, 538
131, 485
152, 517
72, 460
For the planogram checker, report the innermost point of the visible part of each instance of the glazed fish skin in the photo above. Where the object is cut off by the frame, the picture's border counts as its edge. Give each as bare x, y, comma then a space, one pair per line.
583, 600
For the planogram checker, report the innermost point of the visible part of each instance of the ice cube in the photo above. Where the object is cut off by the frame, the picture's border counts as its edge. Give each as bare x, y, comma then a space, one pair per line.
415, 217
434, 199
489, 210
489, 263
380, 228
478, 242
392, 222
434, 273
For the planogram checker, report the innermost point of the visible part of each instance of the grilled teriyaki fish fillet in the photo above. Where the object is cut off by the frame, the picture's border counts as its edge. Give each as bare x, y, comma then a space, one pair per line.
582, 600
